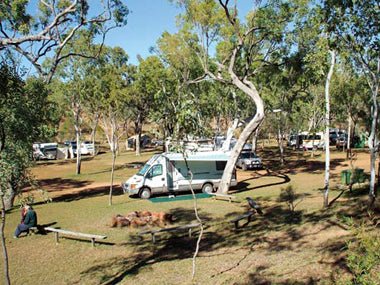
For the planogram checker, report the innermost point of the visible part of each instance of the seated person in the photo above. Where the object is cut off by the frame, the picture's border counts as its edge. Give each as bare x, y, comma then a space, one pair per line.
30, 220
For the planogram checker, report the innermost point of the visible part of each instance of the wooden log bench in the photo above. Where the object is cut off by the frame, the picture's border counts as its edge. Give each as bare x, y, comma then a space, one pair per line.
247, 216
153, 232
75, 234
222, 196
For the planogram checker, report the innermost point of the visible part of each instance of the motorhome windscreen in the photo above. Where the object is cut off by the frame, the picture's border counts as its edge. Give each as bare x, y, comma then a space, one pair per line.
143, 170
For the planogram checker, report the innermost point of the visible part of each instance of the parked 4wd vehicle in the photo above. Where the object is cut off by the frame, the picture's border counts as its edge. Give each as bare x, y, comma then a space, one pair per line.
249, 160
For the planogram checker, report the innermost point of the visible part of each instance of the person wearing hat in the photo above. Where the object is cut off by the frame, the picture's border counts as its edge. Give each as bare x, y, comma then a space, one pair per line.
30, 220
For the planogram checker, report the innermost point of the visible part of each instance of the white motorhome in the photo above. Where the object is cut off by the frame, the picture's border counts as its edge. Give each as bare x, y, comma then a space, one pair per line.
168, 173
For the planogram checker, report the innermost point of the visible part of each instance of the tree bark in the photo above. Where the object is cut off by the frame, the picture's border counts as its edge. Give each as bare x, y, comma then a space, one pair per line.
280, 145
138, 134
254, 140
77, 126
78, 167
113, 150
348, 154
195, 206
373, 145
5, 252
93, 132
112, 176
327, 130
248, 88
10, 198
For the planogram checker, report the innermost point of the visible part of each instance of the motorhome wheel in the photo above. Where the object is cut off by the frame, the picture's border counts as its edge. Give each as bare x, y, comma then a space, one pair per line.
207, 188
145, 193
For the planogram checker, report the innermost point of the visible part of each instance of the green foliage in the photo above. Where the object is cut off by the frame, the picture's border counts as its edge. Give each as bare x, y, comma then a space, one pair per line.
350, 96
290, 197
26, 115
16, 15
363, 256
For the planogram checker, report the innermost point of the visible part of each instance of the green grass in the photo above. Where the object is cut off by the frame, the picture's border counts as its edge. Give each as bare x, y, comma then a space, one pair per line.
279, 247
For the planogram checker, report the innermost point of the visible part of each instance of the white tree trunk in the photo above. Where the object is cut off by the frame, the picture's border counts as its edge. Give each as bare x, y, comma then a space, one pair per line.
327, 130
349, 131
230, 133
248, 88
112, 177
113, 151
372, 143
373, 140
78, 132
254, 140
280, 137
93, 132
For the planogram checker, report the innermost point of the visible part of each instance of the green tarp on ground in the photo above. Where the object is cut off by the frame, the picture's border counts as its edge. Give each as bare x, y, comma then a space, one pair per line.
179, 198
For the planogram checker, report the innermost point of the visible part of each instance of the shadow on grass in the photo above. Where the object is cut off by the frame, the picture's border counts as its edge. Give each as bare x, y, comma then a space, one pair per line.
242, 186
64, 161
302, 164
136, 165
60, 184
89, 193
220, 234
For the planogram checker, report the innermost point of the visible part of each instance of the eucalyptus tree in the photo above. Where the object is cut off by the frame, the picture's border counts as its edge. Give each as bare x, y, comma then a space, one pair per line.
26, 115
53, 25
284, 85
114, 95
176, 93
350, 96
72, 73
242, 50
147, 83
356, 25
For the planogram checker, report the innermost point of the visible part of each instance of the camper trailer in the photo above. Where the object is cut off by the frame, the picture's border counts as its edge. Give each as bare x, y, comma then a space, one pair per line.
45, 151
168, 173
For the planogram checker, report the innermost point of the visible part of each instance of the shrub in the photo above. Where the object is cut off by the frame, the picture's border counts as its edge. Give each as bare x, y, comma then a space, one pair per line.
363, 256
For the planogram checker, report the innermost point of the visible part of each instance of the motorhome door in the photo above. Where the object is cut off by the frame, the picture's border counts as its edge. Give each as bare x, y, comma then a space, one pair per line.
155, 179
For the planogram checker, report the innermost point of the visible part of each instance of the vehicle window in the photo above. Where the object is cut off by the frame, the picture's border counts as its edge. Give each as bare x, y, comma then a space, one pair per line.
315, 137
143, 170
220, 165
157, 170
245, 155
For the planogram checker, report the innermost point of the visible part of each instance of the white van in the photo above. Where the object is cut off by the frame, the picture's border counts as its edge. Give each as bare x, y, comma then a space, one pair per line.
314, 141
167, 173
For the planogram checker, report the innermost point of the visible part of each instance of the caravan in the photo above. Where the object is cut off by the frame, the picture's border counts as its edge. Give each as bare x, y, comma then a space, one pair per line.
314, 141
168, 173
45, 151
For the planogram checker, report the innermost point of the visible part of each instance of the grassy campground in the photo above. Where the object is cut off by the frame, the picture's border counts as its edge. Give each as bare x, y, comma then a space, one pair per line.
306, 246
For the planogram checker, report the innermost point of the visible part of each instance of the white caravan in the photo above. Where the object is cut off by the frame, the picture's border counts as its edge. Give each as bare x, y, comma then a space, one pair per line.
45, 151
167, 173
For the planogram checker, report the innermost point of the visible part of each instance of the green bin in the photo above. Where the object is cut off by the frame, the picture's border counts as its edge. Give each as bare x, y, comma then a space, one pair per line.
346, 177
359, 175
